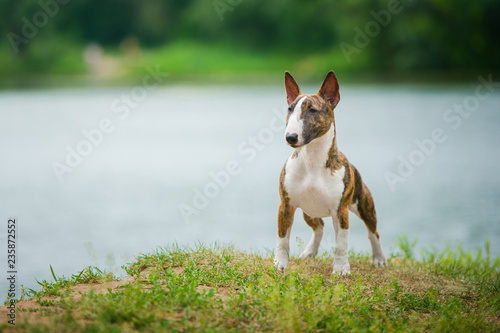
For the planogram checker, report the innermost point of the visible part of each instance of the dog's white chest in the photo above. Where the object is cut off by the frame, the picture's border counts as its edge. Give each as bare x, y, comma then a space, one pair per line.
313, 188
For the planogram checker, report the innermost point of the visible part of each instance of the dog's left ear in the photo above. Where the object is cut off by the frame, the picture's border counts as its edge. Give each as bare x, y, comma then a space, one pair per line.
329, 90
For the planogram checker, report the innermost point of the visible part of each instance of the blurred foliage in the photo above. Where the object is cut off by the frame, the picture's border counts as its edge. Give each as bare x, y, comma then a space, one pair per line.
48, 36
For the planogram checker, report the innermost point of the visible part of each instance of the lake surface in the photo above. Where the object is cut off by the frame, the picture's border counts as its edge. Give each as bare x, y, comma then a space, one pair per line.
201, 164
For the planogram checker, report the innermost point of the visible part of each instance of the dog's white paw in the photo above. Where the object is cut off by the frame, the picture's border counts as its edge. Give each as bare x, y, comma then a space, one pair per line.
380, 262
308, 253
341, 269
281, 261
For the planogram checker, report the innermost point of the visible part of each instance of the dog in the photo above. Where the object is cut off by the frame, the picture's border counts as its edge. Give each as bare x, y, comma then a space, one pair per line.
318, 178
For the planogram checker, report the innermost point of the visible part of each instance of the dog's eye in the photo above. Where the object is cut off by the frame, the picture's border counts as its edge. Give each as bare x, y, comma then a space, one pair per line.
289, 109
313, 110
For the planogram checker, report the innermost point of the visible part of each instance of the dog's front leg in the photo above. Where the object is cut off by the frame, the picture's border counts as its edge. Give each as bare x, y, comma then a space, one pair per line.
285, 222
340, 256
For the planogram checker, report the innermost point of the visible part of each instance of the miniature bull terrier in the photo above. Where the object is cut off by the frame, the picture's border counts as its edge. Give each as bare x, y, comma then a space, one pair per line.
318, 178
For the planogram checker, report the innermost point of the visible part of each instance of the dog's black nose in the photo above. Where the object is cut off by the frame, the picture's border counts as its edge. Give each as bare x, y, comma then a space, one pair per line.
292, 138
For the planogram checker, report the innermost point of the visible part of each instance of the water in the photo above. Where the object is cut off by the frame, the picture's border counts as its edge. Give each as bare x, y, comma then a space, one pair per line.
125, 196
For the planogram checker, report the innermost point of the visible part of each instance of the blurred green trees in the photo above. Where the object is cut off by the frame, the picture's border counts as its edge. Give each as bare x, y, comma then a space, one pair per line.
419, 35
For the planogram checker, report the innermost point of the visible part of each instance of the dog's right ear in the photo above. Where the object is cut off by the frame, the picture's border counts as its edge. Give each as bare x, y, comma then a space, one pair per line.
291, 87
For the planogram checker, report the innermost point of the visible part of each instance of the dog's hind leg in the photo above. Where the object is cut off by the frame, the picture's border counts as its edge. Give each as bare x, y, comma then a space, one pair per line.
364, 208
317, 226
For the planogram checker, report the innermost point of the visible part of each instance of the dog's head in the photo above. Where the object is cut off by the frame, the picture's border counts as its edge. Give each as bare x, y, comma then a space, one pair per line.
309, 116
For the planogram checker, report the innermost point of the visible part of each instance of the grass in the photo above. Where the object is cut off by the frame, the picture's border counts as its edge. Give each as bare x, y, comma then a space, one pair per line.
220, 289
221, 62
185, 61
89, 275
57, 62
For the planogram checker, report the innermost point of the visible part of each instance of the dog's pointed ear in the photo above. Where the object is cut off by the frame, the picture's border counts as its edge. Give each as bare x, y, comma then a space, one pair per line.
291, 87
329, 90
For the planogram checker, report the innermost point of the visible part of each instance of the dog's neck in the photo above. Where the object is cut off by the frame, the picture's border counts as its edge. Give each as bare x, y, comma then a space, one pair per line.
320, 150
